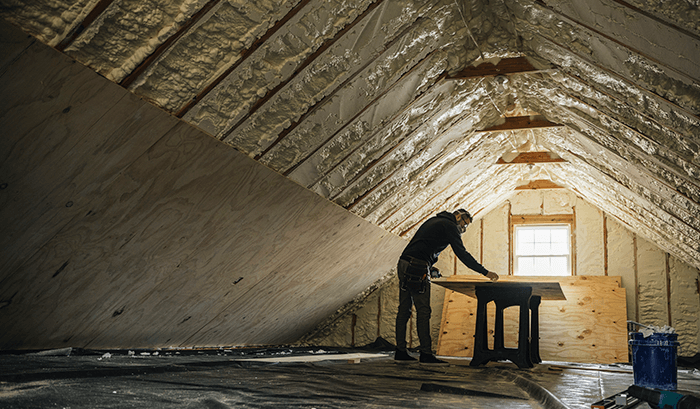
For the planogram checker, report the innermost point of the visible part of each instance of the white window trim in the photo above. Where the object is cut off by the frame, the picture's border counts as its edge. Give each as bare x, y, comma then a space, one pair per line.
568, 219
516, 257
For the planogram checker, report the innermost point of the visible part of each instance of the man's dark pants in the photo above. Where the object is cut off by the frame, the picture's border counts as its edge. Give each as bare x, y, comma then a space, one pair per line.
408, 297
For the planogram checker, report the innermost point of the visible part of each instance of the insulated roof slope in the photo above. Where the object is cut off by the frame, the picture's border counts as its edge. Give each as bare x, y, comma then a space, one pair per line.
398, 109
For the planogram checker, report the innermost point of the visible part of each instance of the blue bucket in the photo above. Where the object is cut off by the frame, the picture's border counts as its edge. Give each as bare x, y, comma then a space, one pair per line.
654, 360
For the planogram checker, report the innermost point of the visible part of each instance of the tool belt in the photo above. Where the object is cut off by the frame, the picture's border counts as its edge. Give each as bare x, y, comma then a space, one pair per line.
417, 275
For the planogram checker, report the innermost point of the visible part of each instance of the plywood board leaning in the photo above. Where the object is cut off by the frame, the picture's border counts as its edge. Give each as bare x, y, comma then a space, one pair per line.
589, 327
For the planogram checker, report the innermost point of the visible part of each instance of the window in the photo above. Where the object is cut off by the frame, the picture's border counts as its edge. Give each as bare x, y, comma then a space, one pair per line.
542, 250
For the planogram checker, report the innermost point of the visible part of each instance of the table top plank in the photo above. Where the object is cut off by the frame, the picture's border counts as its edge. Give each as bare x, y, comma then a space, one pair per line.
548, 290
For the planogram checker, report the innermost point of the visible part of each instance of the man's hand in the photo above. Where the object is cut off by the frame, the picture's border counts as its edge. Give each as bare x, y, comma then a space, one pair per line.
492, 276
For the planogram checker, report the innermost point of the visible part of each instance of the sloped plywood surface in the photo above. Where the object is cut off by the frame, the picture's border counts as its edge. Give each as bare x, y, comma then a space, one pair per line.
127, 228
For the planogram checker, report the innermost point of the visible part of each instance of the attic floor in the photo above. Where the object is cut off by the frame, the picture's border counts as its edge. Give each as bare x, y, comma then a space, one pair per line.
307, 379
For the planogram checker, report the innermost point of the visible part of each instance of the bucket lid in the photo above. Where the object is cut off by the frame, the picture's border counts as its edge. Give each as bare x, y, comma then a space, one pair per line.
655, 339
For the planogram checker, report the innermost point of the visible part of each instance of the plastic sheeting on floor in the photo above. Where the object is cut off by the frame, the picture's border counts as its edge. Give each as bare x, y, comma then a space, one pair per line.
286, 378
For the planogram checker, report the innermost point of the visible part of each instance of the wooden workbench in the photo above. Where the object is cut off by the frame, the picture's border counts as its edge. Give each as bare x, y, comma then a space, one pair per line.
526, 295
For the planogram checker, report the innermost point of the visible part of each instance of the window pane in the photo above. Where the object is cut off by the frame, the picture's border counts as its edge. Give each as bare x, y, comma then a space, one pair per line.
542, 236
560, 236
560, 265
542, 250
560, 248
526, 266
542, 266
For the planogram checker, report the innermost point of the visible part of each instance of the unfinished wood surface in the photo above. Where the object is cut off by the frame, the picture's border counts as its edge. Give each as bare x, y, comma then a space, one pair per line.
504, 66
530, 158
467, 285
590, 326
171, 238
12, 43
539, 184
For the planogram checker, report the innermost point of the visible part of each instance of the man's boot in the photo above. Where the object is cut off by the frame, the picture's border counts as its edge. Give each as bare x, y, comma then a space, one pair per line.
429, 359
403, 357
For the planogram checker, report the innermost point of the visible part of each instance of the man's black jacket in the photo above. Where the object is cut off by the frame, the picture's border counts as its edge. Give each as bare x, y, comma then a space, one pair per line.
434, 236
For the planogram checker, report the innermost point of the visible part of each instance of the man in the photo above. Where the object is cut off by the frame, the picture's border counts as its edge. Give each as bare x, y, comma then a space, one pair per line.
415, 269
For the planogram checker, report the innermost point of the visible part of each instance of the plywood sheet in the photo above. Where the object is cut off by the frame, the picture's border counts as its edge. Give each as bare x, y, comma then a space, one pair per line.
466, 285
172, 238
589, 326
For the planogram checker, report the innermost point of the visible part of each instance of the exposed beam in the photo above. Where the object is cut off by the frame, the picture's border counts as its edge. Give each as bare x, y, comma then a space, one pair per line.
539, 184
505, 66
531, 157
515, 123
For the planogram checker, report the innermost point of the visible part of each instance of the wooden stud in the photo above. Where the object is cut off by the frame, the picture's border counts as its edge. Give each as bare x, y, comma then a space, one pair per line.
481, 243
379, 314
573, 242
511, 231
636, 278
668, 289
605, 243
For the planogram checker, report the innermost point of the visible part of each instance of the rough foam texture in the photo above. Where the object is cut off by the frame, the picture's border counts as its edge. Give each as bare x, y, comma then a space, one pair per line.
371, 123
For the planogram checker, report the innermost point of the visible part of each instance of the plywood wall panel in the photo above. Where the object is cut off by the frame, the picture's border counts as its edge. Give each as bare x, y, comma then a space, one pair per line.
170, 231
12, 43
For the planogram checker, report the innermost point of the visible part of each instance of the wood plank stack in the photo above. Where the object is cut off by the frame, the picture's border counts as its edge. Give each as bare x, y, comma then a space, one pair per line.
589, 327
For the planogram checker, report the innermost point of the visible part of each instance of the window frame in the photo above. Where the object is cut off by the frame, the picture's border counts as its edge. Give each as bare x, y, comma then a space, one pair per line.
539, 220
